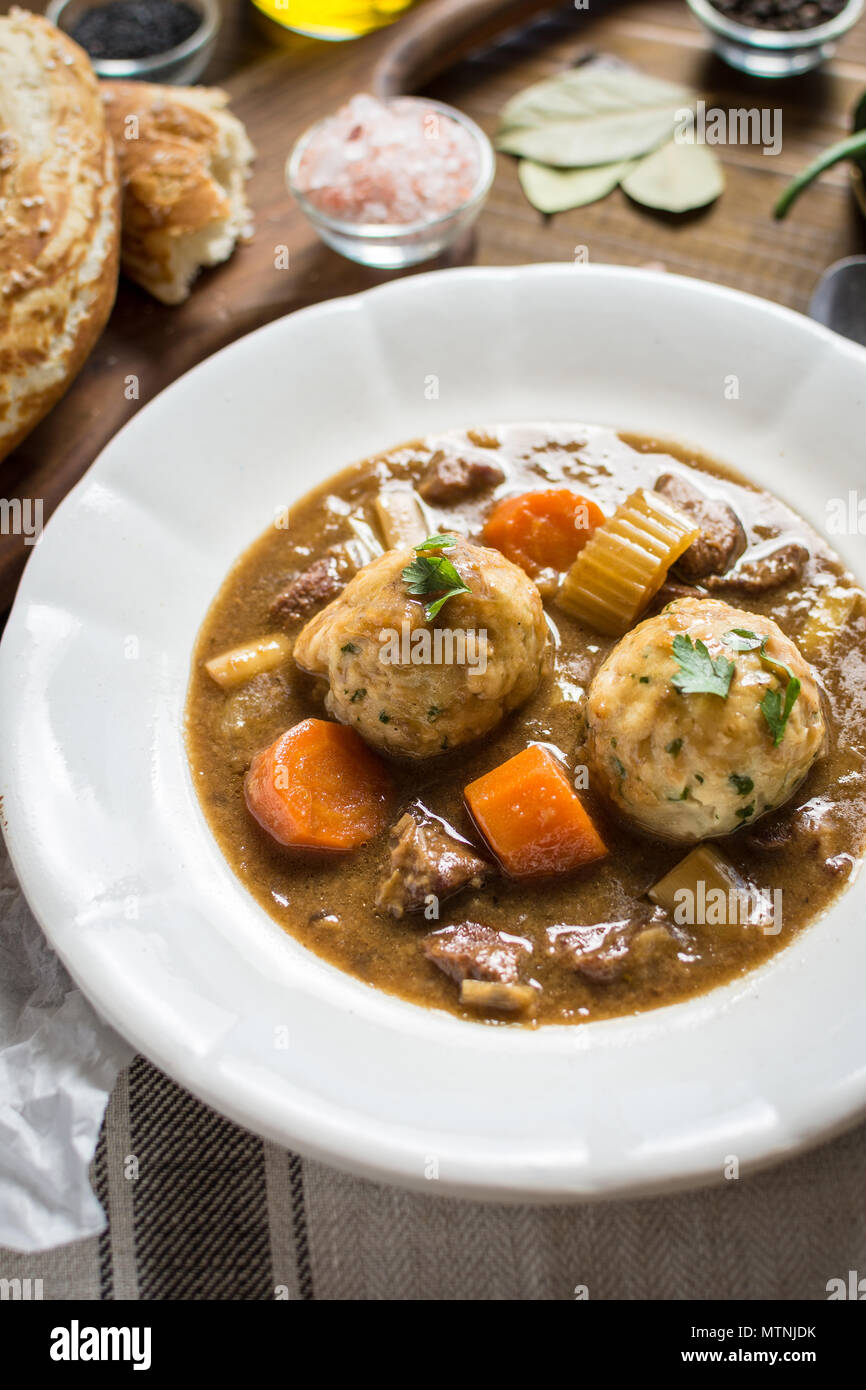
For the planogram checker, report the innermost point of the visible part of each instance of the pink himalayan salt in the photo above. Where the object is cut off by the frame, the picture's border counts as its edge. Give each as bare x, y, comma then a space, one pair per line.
401, 162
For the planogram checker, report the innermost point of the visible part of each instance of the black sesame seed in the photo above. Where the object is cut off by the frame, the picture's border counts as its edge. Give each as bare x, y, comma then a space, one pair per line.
135, 28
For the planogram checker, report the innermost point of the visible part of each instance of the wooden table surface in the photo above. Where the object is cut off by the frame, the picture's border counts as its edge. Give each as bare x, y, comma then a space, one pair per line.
279, 83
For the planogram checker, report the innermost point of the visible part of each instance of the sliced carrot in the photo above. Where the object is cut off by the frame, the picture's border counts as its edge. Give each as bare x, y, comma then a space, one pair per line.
542, 530
531, 816
318, 787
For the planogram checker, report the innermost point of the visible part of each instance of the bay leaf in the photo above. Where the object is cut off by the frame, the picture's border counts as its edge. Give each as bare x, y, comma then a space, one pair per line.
599, 137
596, 87
557, 190
676, 178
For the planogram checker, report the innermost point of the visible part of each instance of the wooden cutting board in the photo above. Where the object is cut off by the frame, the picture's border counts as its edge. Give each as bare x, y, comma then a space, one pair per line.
281, 83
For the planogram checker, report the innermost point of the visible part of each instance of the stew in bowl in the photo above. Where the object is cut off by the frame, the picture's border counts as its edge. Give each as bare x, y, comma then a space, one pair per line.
537, 723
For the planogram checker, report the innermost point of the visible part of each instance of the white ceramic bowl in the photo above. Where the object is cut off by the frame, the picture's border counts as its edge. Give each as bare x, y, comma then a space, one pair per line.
116, 858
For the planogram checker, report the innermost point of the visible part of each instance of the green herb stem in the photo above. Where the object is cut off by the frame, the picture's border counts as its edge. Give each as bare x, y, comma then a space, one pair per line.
848, 148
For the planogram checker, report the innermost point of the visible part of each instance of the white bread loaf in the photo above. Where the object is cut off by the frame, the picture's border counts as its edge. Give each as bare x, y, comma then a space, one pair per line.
59, 219
184, 160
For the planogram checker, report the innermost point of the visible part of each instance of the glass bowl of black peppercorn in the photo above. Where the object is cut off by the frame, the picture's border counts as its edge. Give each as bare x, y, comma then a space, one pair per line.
167, 41
776, 38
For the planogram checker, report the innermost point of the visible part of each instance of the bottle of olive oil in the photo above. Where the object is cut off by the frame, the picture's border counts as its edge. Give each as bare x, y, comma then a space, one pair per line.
333, 19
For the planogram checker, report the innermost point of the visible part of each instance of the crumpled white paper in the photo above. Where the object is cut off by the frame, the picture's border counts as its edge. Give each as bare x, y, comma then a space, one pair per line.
58, 1064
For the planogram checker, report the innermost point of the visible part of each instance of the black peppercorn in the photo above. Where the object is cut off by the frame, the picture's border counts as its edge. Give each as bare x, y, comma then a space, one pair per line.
780, 14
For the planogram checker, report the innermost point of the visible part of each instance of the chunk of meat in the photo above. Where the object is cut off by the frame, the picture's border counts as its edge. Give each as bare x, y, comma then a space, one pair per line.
599, 951
772, 833
427, 859
652, 946
324, 579
451, 477
817, 827
722, 539
472, 951
602, 952
783, 565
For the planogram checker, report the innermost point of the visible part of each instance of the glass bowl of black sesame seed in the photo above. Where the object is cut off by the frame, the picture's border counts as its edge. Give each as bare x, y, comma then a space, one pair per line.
776, 38
168, 41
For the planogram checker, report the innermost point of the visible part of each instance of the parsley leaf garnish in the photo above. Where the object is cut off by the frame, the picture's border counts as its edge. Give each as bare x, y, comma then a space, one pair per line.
742, 785
775, 707
777, 710
742, 639
434, 574
437, 542
700, 673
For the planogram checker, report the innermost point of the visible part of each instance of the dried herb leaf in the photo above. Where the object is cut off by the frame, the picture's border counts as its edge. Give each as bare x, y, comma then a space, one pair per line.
599, 87
600, 138
676, 178
557, 190
583, 131
598, 113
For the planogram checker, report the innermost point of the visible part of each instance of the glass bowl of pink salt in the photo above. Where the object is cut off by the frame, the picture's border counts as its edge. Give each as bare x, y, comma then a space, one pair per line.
390, 184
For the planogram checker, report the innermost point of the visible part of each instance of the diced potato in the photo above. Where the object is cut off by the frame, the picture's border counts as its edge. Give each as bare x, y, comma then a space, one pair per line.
832, 610
400, 517
705, 890
242, 663
703, 865
489, 994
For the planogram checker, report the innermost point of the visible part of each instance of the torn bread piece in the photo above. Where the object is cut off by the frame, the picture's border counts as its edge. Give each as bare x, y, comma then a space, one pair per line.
184, 161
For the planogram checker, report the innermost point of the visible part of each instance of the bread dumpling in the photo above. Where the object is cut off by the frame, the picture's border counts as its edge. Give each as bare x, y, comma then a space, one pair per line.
416, 687
686, 765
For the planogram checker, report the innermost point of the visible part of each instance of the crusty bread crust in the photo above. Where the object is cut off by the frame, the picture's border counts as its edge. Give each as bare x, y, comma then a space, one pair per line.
184, 160
59, 219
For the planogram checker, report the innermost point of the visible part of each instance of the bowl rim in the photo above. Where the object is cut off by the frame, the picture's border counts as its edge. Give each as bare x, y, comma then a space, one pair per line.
211, 20
344, 1134
385, 231
777, 39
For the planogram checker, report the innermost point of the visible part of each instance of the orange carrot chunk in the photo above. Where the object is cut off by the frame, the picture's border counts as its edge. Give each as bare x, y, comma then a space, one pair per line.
542, 530
532, 818
318, 787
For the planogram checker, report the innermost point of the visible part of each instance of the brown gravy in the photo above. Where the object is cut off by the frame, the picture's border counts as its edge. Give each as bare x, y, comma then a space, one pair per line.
808, 849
